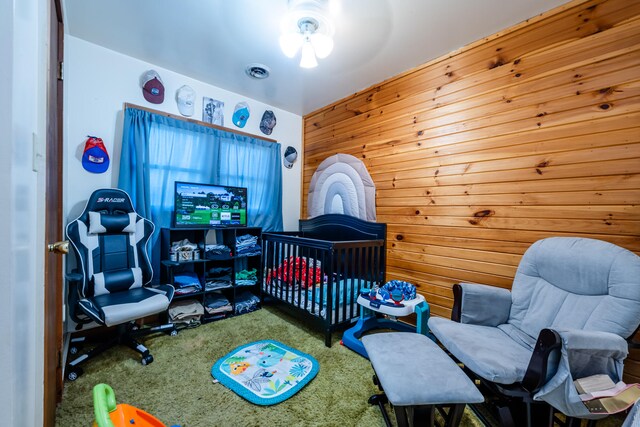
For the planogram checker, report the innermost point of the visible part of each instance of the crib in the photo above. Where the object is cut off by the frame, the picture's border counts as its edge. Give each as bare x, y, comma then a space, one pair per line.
317, 272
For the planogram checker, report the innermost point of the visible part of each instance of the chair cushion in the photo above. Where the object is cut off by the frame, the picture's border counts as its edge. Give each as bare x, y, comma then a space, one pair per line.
120, 307
413, 370
488, 351
116, 281
112, 223
576, 283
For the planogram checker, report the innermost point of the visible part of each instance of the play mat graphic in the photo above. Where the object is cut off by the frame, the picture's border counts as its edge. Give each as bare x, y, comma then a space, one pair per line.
265, 372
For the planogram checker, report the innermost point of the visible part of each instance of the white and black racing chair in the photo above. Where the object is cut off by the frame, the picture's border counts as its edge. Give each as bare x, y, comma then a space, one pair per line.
111, 285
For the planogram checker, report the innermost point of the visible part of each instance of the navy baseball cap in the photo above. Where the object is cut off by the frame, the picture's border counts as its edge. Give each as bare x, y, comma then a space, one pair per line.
268, 122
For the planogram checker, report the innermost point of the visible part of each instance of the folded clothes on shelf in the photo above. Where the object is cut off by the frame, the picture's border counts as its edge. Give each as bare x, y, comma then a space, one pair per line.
186, 282
188, 290
246, 277
247, 245
187, 312
216, 304
220, 273
217, 251
246, 302
217, 284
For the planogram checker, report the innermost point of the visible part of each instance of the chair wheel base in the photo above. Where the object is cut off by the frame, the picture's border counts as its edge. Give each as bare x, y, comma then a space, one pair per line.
378, 399
74, 374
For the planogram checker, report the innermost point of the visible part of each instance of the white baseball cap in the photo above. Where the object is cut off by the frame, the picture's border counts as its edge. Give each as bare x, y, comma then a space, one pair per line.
186, 97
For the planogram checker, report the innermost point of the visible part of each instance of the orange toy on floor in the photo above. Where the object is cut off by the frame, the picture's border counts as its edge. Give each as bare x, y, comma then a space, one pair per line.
108, 414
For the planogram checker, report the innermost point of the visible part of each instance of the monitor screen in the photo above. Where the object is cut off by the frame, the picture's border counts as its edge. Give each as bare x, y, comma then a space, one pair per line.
208, 205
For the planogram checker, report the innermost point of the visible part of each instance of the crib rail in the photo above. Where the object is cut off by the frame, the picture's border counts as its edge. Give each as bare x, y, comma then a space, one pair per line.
321, 278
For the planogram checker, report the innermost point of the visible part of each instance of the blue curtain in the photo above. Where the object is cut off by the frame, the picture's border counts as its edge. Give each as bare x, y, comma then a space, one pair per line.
159, 150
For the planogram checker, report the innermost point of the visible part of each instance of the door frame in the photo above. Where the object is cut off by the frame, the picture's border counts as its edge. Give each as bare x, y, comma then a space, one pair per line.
53, 274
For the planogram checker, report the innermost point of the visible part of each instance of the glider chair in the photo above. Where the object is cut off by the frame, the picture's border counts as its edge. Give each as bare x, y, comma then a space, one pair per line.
111, 285
573, 304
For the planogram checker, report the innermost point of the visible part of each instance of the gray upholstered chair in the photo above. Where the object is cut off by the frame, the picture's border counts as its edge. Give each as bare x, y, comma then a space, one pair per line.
573, 304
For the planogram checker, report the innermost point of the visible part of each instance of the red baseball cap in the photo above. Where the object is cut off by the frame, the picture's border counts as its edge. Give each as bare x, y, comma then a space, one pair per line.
152, 87
95, 158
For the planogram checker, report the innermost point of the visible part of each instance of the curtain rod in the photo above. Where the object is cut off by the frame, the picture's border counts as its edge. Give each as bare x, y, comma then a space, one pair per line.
197, 122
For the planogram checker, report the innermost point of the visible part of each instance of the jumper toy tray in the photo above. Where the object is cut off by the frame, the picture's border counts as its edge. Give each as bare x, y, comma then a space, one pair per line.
394, 299
402, 309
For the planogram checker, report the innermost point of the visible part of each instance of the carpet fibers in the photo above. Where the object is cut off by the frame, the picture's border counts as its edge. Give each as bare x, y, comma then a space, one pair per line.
178, 389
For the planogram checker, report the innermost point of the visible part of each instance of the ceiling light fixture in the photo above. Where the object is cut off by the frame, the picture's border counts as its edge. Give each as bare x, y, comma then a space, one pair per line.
306, 27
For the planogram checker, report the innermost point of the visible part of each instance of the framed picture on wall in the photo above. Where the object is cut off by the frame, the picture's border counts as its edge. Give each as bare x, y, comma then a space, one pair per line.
212, 111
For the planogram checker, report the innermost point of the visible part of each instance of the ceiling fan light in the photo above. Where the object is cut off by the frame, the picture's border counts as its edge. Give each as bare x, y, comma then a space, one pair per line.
290, 43
308, 58
335, 7
322, 44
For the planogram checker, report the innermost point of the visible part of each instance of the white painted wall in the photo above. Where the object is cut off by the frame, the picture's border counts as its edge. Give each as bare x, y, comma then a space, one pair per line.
24, 33
99, 81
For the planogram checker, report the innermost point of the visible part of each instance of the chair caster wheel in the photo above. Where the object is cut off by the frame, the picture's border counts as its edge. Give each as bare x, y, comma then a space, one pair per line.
174, 333
74, 374
74, 350
375, 380
146, 359
378, 399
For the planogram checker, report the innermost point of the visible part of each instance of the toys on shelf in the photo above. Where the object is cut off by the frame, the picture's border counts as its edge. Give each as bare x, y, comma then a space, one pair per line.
395, 299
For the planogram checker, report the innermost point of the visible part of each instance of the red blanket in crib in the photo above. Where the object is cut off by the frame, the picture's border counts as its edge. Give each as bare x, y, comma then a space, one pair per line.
295, 270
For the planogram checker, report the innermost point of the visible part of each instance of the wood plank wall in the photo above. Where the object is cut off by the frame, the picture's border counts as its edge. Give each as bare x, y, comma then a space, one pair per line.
532, 132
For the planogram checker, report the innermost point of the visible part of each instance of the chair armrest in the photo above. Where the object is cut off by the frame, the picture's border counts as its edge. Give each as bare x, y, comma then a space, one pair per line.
547, 352
74, 277
480, 304
549, 342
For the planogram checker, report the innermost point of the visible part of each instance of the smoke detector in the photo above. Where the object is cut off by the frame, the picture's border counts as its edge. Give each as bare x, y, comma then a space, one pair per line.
257, 71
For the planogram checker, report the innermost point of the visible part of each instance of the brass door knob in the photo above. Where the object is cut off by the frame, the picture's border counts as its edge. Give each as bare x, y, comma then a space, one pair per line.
59, 247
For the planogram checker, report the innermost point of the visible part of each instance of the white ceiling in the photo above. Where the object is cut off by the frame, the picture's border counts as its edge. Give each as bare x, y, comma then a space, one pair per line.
214, 40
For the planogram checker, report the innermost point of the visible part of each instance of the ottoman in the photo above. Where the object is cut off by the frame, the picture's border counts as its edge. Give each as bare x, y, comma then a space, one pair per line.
418, 378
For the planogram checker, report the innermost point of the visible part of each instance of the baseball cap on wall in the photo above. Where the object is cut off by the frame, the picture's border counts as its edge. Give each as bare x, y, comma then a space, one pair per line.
186, 97
240, 114
268, 122
95, 158
152, 87
290, 156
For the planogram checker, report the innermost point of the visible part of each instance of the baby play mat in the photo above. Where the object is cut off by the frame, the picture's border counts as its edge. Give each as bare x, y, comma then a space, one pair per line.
265, 372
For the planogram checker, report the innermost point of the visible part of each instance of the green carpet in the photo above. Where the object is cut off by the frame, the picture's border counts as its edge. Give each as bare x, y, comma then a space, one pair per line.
177, 387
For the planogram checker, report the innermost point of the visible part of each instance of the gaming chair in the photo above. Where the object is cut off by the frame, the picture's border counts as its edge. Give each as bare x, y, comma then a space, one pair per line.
111, 285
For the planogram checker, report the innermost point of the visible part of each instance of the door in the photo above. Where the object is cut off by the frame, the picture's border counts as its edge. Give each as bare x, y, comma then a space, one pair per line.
53, 285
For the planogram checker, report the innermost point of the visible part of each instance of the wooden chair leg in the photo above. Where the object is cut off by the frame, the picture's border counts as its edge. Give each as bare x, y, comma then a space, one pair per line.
401, 416
455, 415
423, 415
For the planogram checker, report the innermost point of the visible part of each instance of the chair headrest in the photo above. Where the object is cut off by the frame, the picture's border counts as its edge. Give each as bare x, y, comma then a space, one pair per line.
109, 201
112, 223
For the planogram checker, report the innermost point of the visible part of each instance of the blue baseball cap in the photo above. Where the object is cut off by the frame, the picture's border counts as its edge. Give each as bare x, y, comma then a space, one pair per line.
241, 114
95, 158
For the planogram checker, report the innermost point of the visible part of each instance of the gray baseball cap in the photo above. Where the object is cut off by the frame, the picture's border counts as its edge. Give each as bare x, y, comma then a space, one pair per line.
290, 156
